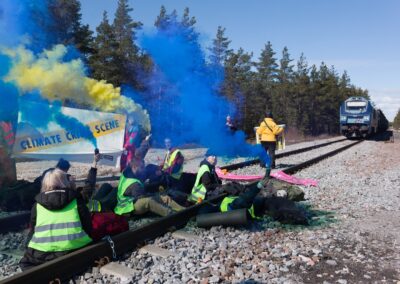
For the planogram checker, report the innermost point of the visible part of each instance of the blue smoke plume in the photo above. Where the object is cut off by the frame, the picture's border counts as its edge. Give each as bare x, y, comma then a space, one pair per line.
8, 94
27, 22
183, 102
38, 112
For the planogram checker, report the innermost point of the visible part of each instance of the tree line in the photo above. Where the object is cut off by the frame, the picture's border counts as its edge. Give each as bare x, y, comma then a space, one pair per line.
306, 98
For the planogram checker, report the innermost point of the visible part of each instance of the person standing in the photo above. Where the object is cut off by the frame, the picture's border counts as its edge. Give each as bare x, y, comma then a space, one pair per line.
268, 131
230, 124
130, 142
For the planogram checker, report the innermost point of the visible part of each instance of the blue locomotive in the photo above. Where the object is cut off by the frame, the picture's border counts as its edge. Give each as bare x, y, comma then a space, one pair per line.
359, 118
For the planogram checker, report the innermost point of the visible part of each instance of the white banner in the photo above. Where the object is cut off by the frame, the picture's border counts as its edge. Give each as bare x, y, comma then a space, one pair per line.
55, 140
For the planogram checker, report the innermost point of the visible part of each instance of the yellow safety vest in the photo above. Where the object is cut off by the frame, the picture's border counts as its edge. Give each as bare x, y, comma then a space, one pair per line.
125, 203
199, 190
58, 230
224, 207
169, 159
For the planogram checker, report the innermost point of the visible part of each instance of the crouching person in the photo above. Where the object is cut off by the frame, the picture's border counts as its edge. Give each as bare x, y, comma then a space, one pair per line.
60, 221
132, 197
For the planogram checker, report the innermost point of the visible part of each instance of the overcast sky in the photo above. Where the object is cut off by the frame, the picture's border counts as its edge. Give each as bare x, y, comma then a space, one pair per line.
359, 36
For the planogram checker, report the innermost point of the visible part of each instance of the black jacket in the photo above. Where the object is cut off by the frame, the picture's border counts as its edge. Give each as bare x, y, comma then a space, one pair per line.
210, 179
54, 200
135, 190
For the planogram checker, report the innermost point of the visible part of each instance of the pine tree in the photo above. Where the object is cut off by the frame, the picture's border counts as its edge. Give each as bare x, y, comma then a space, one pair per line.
396, 120
105, 62
282, 105
266, 80
220, 50
125, 34
267, 67
65, 26
238, 86
301, 97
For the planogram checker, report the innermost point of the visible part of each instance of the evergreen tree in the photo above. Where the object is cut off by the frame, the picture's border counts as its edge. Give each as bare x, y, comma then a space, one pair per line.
220, 48
396, 120
267, 67
106, 62
238, 86
301, 97
65, 26
282, 104
266, 80
124, 28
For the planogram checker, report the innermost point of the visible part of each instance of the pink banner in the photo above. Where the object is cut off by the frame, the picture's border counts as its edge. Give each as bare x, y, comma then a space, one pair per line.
223, 174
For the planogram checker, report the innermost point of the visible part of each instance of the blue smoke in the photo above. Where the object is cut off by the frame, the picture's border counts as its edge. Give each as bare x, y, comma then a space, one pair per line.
23, 22
27, 22
8, 94
38, 113
183, 102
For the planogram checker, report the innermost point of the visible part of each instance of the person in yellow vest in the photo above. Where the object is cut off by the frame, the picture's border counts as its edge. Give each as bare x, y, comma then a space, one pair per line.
172, 167
268, 131
132, 197
206, 179
60, 221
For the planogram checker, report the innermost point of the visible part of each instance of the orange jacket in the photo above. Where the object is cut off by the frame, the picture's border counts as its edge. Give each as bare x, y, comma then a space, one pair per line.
268, 130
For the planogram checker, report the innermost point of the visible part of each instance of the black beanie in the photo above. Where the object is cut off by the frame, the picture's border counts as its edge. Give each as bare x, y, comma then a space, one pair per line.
63, 165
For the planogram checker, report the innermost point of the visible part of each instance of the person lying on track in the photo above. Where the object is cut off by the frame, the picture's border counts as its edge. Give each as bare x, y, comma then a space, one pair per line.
258, 202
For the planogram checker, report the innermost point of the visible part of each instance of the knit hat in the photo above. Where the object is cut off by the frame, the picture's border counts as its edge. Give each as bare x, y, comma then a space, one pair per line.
63, 165
210, 153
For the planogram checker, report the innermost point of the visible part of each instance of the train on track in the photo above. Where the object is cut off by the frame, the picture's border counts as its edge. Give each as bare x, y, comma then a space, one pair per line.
359, 118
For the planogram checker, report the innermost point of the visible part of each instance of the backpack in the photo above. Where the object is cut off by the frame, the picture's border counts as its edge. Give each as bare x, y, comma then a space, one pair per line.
107, 223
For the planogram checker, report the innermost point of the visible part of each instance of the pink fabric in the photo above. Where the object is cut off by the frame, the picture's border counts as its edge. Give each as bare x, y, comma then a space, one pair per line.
230, 176
278, 175
294, 180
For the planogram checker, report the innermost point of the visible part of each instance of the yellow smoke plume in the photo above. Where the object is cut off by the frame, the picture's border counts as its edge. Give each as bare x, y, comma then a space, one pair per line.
58, 80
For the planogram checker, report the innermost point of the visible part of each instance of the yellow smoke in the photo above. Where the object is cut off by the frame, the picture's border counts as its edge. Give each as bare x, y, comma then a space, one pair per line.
57, 80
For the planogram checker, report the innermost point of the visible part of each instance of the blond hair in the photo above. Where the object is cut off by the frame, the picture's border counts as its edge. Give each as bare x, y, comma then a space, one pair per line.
56, 179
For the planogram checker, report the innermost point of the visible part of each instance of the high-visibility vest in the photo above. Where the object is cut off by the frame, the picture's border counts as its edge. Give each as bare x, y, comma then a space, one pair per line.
94, 205
8, 133
224, 207
58, 230
199, 190
125, 203
169, 159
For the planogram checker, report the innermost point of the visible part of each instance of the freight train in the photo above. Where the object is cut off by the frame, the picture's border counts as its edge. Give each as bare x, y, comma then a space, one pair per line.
359, 118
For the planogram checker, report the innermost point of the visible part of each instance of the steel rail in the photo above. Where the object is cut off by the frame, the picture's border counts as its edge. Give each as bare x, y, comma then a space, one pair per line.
296, 168
280, 155
14, 222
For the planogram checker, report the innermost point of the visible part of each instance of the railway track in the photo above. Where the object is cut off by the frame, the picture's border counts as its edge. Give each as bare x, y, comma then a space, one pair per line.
63, 268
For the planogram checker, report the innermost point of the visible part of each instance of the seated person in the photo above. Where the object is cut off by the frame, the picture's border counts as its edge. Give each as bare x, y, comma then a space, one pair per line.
57, 205
172, 167
206, 179
132, 198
